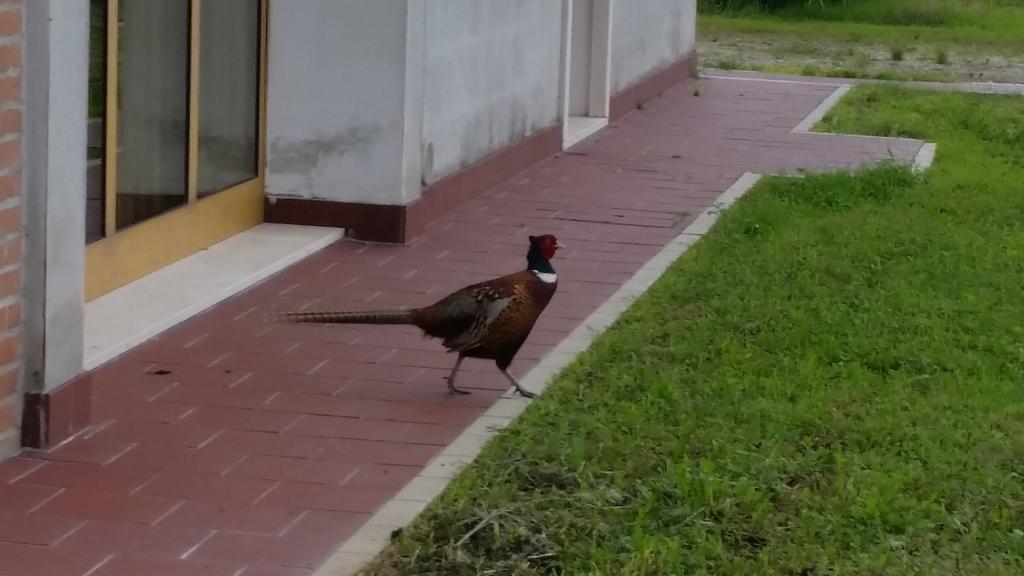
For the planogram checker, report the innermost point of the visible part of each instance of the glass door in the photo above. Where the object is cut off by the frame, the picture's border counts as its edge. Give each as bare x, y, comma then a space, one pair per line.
175, 132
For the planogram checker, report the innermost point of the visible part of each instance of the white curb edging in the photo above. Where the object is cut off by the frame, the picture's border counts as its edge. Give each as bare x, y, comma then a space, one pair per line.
995, 88
822, 109
712, 74
922, 160
925, 157
363, 546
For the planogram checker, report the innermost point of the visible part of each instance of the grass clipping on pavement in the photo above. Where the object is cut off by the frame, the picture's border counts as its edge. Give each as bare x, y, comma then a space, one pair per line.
831, 382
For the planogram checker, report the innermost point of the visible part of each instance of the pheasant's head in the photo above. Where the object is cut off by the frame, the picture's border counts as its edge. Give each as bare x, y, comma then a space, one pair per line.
545, 246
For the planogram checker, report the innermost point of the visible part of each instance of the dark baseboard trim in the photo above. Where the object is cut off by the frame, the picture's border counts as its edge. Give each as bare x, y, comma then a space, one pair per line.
50, 418
369, 222
399, 224
633, 97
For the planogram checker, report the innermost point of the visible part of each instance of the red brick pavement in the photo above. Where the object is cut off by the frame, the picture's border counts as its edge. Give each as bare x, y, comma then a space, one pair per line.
229, 447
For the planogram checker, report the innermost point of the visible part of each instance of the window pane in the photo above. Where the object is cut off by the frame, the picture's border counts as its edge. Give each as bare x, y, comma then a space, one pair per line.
228, 93
94, 178
153, 121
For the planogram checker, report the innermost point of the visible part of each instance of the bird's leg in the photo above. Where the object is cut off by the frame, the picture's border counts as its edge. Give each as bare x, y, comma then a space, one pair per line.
451, 378
526, 393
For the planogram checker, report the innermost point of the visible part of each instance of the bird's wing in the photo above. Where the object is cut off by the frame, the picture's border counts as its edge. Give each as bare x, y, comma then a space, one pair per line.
488, 303
462, 319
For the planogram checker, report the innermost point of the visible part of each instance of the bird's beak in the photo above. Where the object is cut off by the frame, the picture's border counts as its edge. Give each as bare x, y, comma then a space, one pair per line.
559, 246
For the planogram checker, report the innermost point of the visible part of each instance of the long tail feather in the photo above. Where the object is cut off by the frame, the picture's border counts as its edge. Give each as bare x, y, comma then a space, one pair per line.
356, 317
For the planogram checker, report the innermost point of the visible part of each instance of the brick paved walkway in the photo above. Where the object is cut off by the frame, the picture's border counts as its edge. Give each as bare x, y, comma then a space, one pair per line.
229, 447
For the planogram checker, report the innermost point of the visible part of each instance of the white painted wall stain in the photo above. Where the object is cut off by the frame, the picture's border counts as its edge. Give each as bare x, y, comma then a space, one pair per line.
335, 100
491, 78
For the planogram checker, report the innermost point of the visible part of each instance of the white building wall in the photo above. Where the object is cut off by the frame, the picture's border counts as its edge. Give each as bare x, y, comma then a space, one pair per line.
336, 99
648, 36
367, 101
491, 78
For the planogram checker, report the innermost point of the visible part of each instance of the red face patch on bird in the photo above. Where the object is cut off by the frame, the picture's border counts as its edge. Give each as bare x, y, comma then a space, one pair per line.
547, 244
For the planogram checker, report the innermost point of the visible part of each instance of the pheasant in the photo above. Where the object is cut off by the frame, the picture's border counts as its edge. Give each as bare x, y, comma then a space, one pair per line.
488, 320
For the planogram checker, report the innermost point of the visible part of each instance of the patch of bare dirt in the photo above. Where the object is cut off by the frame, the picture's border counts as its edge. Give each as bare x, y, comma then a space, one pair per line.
918, 62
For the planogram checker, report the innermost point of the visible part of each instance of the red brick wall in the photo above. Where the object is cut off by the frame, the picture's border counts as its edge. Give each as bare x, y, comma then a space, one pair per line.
10, 223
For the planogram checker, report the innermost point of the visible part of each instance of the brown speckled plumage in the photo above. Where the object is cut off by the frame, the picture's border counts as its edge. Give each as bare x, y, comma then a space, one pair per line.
489, 320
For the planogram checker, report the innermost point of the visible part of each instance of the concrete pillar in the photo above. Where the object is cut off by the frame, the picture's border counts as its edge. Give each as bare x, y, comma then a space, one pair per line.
56, 97
343, 112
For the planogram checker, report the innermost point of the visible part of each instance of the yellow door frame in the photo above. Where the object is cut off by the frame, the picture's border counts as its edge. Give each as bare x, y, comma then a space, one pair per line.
123, 256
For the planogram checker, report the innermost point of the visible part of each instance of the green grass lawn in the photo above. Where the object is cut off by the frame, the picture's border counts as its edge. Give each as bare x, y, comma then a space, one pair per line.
831, 382
978, 19
1001, 38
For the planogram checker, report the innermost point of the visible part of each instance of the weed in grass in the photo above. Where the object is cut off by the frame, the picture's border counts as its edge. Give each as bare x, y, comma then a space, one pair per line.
896, 52
861, 61
802, 48
941, 56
